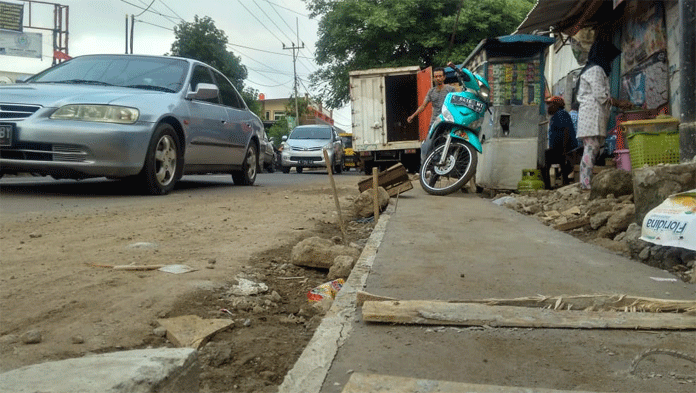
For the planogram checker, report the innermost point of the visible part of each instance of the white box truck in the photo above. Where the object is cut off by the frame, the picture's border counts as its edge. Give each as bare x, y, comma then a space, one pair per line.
381, 101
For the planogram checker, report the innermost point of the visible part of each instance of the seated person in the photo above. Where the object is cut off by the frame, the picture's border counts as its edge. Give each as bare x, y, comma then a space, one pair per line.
562, 140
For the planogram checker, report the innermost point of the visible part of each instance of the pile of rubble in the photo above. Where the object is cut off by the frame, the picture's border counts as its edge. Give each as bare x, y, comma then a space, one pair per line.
606, 218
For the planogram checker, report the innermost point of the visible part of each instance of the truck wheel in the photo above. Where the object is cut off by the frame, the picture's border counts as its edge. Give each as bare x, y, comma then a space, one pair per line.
298, 169
286, 169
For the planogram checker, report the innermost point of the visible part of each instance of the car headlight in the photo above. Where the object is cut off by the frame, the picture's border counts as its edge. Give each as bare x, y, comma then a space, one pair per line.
447, 115
97, 113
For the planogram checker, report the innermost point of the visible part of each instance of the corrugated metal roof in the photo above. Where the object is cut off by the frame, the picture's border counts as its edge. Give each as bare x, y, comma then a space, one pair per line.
561, 14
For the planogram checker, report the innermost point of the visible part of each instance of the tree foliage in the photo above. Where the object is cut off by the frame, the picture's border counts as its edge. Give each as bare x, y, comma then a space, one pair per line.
202, 41
364, 34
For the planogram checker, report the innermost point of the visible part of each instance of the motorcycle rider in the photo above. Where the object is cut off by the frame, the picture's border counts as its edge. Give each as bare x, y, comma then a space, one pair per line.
436, 95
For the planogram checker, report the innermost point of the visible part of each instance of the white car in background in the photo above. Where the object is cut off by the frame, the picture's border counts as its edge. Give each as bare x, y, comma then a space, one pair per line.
304, 148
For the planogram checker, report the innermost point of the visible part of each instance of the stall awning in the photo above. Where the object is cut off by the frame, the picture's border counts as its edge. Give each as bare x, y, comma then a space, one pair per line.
567, 16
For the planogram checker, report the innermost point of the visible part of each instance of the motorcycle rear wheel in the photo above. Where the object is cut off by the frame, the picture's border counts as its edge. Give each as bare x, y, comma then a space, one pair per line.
459, 168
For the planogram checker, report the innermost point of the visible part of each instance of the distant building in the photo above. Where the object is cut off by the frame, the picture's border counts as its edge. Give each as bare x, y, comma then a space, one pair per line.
273, 109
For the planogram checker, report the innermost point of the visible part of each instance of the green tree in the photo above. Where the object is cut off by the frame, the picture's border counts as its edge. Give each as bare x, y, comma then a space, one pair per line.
201, 40
364, 34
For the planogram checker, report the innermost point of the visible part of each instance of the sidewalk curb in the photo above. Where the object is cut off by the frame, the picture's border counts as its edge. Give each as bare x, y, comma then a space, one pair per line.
310, 370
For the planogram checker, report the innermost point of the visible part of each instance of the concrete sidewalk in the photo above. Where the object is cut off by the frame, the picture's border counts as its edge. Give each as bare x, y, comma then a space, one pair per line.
464, 247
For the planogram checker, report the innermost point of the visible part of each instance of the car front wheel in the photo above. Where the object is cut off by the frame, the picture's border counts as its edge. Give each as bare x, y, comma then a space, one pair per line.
247, 176
162, 167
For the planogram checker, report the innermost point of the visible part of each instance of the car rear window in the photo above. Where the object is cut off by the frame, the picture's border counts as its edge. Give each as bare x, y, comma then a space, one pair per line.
311, 133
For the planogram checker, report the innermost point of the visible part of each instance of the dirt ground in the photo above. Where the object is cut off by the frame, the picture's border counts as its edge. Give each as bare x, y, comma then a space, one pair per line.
60, 297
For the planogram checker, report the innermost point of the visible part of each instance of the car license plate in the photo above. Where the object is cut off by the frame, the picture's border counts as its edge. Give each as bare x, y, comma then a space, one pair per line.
468, 102
6, 131
305, 162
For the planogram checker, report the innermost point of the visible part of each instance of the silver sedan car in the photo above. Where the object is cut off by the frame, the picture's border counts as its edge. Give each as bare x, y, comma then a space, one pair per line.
151, 119
304, 148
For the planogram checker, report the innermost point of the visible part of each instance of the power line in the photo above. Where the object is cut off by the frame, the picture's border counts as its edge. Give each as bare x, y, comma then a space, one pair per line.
152, 24
177, 15
258, 20
148, 7
285, 8
141, 8
265, 51
274, 24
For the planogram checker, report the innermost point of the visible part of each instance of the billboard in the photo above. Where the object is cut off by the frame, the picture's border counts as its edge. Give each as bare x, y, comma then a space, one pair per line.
20, 44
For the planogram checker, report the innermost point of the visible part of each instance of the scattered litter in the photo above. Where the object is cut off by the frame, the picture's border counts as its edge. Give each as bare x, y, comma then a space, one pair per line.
669, 279
142, 245
176, 269
503, 200
226, 311
137, 267
327, 290
365, 220
248, 287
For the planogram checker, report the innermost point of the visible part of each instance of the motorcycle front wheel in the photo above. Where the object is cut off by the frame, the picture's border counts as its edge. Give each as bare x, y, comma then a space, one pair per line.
459, 167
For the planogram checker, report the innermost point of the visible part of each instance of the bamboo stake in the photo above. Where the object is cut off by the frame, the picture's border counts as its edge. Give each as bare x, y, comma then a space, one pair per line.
375, 194
335, 194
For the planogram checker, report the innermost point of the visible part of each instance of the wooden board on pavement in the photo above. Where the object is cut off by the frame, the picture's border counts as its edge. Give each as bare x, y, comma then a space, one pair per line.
394, 179
469, 314
373, 383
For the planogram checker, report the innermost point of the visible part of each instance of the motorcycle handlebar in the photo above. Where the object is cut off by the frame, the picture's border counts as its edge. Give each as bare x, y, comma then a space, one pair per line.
459, 72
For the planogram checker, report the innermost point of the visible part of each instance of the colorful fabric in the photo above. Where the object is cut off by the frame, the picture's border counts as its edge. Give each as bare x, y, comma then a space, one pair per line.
590, 152
594, 99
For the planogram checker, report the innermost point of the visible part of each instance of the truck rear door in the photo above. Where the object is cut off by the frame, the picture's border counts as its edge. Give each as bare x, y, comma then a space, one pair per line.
425, 82
368, 111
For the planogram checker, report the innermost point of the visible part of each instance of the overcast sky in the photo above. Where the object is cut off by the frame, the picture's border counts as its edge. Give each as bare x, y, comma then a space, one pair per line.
256, 31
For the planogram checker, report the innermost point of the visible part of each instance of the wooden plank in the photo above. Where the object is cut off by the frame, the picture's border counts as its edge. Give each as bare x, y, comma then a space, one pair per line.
567, 226
470, 314
373, 383
393, 175
399, 189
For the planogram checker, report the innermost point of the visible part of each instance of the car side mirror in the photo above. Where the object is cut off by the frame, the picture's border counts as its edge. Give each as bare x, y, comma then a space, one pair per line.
284, 138
204, 91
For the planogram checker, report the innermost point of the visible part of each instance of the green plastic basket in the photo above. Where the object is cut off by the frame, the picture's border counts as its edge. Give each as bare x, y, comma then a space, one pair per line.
652, 142
653, 148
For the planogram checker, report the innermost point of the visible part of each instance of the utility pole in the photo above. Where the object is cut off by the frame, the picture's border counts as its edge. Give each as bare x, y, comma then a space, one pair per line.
132, 26
126, 33
294, 66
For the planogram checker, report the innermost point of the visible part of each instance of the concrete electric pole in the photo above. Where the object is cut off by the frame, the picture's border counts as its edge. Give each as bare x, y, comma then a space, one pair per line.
294, 68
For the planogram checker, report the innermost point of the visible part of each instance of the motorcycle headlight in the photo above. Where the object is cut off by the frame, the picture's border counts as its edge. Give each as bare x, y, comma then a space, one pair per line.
484, 91
97, 113
447, 115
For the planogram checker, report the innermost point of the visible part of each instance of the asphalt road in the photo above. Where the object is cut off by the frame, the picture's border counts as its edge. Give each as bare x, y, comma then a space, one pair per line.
24, 194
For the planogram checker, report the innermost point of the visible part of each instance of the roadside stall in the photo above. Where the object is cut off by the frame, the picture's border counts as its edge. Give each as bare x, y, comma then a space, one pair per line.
514, 134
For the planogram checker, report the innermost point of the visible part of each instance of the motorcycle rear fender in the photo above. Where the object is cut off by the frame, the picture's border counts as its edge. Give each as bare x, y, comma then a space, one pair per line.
471, 138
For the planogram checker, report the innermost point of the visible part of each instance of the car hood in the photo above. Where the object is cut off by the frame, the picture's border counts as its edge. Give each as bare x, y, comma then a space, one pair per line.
57, 95
308, 142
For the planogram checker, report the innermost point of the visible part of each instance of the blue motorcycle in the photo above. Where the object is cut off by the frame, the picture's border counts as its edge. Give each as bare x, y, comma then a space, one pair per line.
451, 147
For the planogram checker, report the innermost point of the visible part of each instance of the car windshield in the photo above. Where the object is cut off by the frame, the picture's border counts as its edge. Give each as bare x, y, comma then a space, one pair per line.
311, 133
151, 73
